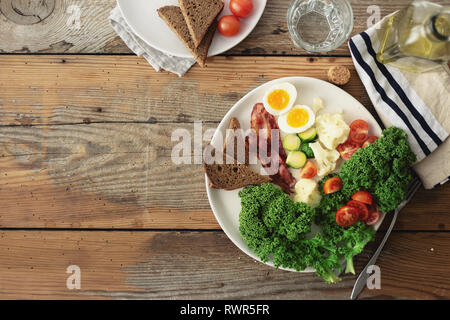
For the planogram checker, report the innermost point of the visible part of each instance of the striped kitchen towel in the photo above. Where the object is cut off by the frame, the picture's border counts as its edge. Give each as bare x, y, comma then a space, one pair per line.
417, 103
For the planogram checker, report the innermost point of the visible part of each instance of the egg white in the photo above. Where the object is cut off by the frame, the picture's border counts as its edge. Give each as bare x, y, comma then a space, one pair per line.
285, 127
292, 92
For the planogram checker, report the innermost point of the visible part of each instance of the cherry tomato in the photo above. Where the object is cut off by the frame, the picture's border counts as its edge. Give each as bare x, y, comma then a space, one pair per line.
370, 140
363, 210
359, 131
332, 185
362, 196
346, 216
374, 215
347, 149
229, 25
309, 171
241, 8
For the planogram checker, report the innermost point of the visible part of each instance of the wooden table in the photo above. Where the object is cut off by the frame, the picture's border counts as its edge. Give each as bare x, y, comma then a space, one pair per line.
86, 177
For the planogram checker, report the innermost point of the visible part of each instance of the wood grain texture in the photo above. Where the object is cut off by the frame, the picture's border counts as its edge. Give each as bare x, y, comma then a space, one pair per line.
199, 265
59, 31
89, 145
80, 89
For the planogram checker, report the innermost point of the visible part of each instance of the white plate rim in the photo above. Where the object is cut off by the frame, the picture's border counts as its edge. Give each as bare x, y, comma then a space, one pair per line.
242, 37
226, 118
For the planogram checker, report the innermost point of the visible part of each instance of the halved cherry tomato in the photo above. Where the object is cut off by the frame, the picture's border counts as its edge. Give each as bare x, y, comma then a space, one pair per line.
370, 140
363, 210
229, 25
347, 149
346, 216
362, 196
332, 185
359, 131
241, 8
309, 171
374, 215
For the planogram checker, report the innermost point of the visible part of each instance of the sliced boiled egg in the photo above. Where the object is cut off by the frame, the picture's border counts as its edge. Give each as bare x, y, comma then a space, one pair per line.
280, 98
300, 118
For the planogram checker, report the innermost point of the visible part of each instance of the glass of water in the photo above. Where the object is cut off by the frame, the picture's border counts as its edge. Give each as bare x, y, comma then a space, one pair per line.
319, 25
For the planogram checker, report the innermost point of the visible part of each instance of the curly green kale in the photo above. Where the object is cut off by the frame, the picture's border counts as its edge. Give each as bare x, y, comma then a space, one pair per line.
273, 225
344, 242
383, 169
277, 228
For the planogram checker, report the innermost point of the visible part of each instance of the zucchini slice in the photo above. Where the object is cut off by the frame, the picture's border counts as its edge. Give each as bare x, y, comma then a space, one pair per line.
308, 135
291, 142
296, 159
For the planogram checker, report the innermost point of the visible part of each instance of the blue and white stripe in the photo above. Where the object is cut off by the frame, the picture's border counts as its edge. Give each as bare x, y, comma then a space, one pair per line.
394, 98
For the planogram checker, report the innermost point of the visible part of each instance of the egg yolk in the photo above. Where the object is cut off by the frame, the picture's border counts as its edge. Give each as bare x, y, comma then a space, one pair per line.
297, 118
278, 99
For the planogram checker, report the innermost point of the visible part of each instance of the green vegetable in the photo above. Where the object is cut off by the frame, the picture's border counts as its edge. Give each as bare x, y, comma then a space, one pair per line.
306, 149
291, 142
348, 242
296, 159
308, 135
382, 169
274, 226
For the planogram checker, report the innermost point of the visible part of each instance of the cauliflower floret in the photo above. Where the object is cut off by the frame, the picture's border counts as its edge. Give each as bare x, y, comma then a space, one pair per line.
307, 191
332, 130
326, 159
317, 105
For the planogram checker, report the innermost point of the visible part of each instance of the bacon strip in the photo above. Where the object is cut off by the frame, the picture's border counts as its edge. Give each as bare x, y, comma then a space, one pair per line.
261, 119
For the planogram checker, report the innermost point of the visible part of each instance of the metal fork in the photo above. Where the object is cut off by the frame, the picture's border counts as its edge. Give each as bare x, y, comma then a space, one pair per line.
362, 278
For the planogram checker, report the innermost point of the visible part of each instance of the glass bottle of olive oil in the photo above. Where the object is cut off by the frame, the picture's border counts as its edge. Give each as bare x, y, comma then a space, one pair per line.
416, 38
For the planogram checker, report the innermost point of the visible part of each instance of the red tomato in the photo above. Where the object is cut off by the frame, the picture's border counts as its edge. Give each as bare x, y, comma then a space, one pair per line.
241, 8
359, 131
309, 171
229, 25
332, 185
363, 210
370, 140
374, 215
362, 196
347, 149
346, 216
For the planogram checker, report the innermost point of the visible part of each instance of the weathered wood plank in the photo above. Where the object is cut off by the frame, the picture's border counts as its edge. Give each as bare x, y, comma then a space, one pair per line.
79, 89
113, 169
59, 31
98, 176
199, 265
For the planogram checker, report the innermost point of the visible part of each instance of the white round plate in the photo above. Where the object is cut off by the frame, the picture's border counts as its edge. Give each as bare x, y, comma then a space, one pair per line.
226, 204
143, 19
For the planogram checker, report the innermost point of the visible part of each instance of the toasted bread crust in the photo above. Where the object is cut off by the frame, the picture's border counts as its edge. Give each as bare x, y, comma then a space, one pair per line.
232, 176
199, 16
173, 17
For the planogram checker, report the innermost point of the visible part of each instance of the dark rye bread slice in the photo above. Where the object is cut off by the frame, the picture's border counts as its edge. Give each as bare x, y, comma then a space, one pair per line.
173, 16
199, 15
232, 176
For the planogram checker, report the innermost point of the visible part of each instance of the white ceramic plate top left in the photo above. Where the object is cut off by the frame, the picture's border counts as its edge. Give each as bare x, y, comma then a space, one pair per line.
143, 19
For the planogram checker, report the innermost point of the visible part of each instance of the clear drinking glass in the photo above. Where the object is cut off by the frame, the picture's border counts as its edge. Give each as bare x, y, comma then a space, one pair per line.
319, 25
